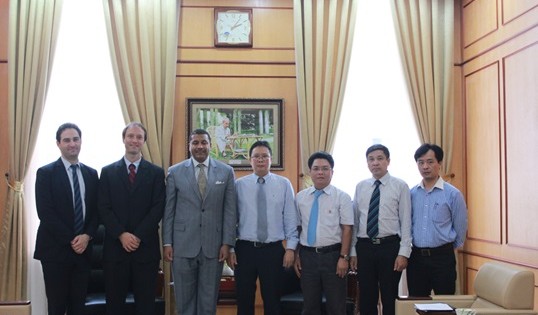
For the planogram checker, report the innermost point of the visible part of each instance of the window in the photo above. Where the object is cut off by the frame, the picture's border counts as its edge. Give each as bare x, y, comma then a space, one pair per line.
376, 105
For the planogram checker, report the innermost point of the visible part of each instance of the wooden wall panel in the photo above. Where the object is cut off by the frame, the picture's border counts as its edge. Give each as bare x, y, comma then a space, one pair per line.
4, 23
479, 20
488, 24
4, 153
482, 148
4, 140
512, 9
500, 75
521, 105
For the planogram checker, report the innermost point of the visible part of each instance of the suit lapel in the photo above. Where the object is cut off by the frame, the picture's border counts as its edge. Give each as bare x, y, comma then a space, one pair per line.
64, 180
121, 172
191, 178
141, 174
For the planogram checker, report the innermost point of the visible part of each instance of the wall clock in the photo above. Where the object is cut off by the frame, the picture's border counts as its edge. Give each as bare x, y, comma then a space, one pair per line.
233, 27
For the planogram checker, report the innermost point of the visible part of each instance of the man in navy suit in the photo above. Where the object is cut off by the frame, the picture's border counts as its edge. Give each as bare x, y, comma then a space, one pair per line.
65, 188
198, 225
131, 205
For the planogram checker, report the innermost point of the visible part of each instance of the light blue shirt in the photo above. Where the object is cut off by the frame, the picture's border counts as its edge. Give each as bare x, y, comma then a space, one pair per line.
281, 211
439, 215
335, 209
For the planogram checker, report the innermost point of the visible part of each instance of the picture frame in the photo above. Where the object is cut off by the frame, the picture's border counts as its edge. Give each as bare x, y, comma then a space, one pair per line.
235, 124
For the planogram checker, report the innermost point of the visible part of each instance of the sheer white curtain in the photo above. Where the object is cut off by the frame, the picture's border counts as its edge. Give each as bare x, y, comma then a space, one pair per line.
376, 104
82, 91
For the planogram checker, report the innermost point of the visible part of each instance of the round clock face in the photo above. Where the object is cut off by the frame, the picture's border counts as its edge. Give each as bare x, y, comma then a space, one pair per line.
233, 27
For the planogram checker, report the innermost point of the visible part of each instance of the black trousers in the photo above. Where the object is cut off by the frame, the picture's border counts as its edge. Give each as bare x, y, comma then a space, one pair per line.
318, 278
66, 285
433, 269
141, 275
375, 273
264, 263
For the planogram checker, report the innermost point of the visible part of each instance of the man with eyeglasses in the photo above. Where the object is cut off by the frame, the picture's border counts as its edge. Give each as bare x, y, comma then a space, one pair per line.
266, 217
326, 223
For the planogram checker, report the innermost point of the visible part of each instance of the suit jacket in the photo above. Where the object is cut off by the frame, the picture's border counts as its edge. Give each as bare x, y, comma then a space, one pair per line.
137, 209
192, 222
54, 202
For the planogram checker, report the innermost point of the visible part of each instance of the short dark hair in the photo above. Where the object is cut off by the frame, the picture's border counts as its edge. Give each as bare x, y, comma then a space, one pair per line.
67, 126
423, 149
260, 143
376, 147
134, 124
320, 155
200, 132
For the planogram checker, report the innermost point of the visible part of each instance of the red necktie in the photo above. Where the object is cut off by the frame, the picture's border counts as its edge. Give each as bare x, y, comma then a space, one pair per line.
132, 173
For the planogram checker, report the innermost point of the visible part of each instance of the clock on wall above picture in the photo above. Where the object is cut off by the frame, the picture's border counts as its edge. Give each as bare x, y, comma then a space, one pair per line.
233, 27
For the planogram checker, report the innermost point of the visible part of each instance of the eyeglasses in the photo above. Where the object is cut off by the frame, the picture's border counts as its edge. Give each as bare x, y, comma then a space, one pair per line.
323, 169
261, 157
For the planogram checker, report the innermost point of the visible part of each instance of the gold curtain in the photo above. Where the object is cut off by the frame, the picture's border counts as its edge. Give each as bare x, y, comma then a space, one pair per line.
323, 40
33, 30
425, 32
143, 45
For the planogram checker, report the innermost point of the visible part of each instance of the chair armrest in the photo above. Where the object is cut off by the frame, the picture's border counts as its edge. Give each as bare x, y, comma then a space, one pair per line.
159, 285
15, 307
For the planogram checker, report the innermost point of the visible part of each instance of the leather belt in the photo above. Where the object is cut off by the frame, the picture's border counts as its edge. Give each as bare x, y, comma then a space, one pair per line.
323, 249
260, 244
379, 240
432, 251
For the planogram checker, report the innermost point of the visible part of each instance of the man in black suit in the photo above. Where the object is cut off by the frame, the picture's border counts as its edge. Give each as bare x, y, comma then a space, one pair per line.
131, 205
66, 200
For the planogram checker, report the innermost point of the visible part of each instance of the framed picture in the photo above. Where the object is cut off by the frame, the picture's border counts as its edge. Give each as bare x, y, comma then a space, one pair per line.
235, 124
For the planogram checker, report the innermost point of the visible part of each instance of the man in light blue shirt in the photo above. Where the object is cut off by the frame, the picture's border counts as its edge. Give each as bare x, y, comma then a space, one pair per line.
266, 217
439, 217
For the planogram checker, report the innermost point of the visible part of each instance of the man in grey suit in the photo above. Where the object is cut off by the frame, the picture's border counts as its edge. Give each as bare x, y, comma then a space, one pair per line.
198, 225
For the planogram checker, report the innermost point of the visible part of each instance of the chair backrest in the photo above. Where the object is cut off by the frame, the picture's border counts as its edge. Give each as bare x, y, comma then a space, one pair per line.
506, 286
97, 278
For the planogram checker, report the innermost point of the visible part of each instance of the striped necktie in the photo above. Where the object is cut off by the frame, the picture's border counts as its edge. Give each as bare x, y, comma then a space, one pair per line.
372, 226
79, 216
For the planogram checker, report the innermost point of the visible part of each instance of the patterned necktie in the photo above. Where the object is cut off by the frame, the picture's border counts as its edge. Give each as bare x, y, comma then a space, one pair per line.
313, 222
262, 211
372, 226
132, 173
202, 180
79, 216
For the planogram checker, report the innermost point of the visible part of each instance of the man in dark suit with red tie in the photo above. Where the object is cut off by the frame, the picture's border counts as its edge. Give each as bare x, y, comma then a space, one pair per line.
66, 201
131, 205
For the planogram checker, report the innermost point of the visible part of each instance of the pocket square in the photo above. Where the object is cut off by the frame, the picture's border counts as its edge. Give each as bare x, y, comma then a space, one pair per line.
219, 182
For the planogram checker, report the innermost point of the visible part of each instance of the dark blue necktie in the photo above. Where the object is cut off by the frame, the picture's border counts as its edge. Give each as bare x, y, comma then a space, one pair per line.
372, 226
79, 217
313, 221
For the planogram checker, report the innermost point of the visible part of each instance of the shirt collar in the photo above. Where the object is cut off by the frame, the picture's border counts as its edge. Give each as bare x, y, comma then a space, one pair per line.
195, 163
440, 183
67, 164
326, 190
136, 163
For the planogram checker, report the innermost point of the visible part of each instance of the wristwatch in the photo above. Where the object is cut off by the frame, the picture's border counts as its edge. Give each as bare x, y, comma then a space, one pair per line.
346, 257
